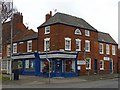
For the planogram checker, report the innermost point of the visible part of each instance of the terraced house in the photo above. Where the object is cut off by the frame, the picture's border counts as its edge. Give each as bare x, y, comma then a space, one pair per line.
72, 46
24, 41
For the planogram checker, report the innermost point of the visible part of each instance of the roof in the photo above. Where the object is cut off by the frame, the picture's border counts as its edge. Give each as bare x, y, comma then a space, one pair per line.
105, 37
20, 32
68, 20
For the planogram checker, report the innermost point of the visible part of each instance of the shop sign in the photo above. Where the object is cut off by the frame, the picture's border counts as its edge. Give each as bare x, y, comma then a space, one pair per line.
78, 67
81, 62
107, 58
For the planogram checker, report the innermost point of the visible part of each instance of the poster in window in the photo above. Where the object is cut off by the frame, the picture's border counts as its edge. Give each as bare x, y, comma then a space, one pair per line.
27, 64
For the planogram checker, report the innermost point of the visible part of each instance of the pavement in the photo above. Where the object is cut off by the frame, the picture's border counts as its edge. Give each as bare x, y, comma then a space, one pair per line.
34, 80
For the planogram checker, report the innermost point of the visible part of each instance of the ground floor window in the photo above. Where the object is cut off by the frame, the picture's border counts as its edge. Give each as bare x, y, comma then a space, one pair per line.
4, 65
101, 65
30, 65
20, 64
88, 63
68, 66
58, 65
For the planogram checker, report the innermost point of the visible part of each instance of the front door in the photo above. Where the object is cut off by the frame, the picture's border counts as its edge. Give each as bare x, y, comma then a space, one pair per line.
111, 66
95, 66
58, 67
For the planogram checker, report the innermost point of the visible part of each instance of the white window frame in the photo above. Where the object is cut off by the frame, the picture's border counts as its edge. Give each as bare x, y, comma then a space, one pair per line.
67, 39
113, 50
87, 49
47, 29
45, 46
107, 49
87, 33
89, 63
78, 32
79, 45
102, 68
8, 50
14, 47
28, 46
101, 44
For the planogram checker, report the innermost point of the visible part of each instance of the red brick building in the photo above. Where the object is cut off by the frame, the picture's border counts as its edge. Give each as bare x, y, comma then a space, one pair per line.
118, 60
24, 40
67, 33
71, 45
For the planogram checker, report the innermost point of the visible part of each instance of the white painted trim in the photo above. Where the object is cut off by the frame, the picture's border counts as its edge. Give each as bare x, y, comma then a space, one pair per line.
23, 56
58, 56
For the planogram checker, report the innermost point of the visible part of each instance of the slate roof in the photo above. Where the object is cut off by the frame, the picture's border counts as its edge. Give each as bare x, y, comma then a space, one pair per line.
68, 20
20, 32
105, 37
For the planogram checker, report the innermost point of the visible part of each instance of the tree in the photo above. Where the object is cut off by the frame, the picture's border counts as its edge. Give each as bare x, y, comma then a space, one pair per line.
7, 11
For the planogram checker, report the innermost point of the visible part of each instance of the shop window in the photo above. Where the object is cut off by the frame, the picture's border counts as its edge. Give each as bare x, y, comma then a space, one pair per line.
19, 64
30, 65
68, 66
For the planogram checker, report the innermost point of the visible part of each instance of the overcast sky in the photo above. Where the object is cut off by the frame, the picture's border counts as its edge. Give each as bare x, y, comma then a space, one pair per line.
101, 14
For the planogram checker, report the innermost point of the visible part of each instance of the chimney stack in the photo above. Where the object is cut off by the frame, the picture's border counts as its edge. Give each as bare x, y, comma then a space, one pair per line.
48, 16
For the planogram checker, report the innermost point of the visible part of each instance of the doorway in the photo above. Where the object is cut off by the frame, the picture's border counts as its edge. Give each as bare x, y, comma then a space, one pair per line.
95, 66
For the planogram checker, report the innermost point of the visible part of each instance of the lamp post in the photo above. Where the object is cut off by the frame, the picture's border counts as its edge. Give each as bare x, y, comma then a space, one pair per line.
48, 61
11, 44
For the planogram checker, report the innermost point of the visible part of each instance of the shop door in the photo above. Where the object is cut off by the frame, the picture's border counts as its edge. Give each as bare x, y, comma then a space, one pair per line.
58, 66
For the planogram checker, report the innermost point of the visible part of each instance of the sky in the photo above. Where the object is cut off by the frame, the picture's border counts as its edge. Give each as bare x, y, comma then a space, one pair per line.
101, 14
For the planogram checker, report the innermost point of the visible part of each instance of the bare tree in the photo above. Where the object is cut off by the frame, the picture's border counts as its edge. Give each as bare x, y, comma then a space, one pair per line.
7, 11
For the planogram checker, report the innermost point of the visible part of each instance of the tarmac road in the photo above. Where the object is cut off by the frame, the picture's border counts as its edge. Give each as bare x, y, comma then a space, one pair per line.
107, 83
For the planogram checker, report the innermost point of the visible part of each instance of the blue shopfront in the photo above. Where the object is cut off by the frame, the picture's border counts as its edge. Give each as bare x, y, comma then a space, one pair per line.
62, 64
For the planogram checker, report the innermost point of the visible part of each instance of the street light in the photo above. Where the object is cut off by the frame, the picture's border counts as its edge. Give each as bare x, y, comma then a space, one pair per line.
11, 46
48, 61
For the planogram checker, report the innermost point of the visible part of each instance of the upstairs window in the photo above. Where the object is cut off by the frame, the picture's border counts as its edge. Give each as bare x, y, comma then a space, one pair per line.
78, 32
107, 49
8, 50
67, 43
15, 48
87, 33
78, 45
46, 44
87, 45
47, 29
113, 50
29, 46
101, 48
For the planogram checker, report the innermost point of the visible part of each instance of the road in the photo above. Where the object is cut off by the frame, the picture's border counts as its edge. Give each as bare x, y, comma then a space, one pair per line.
108, 83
